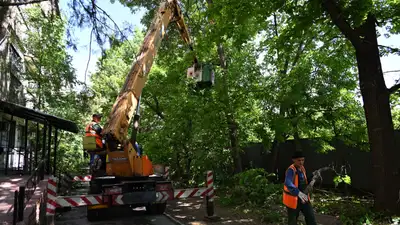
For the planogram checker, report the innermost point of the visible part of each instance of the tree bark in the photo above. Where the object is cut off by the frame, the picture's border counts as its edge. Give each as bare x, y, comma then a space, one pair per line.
296, 135
6, 4
274, 156
3, 16
376, 107
229, 112
275, 146
230, 119
379, 119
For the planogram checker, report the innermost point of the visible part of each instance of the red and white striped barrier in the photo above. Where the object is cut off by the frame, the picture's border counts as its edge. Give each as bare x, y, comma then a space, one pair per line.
190, 192
162, 195
82, 178
76, 201
54, 201
166, 173
210, 185
51, 203
209, 199
198, 192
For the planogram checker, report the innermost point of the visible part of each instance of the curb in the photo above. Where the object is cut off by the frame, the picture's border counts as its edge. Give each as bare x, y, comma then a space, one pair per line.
173, 219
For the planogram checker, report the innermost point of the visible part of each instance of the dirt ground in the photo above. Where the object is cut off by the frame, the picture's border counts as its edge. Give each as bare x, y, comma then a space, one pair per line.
192, 212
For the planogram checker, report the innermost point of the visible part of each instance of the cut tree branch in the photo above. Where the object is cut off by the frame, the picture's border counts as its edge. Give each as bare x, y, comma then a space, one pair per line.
21, 3
337, 17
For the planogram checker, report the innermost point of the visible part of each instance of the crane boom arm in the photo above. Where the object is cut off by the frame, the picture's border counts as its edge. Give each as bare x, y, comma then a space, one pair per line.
124, 108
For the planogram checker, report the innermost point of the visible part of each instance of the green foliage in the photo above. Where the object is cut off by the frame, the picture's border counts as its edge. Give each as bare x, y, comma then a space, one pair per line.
52, 82
288, 77
49, 70
253, 183
395, 103
290, 74
342, 179
112, 69
251, 190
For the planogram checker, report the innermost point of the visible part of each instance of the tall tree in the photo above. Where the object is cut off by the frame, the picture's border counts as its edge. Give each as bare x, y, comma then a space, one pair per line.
52, 80
304, 97
357, 21
49, 70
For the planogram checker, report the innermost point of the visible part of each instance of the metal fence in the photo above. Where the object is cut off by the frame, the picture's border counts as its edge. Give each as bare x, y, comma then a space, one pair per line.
25, 192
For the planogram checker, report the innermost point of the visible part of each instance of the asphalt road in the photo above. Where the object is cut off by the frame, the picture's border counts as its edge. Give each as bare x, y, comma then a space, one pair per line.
77, 216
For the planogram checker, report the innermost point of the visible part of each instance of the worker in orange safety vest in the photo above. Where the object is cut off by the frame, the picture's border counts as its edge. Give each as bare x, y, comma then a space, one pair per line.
94, 129
294, 197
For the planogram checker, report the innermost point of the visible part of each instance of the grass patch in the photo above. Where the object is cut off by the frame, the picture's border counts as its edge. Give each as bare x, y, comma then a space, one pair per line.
350, 209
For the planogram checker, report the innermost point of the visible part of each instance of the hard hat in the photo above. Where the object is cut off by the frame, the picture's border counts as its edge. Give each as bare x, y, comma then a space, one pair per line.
97, 115
297, 154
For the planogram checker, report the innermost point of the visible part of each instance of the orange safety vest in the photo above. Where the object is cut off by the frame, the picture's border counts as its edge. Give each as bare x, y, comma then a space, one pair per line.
89, 132
289, 199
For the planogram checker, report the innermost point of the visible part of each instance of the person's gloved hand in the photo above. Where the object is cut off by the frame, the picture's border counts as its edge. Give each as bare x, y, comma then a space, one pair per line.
303, 197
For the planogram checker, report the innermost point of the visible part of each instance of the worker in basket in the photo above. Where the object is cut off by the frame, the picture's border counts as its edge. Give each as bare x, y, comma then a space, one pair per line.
294, 197
94, 129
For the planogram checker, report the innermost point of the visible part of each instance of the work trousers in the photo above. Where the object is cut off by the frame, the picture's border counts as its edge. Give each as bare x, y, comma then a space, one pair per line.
306, 209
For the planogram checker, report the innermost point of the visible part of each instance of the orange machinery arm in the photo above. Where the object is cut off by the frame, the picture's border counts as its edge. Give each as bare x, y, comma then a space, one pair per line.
116, 129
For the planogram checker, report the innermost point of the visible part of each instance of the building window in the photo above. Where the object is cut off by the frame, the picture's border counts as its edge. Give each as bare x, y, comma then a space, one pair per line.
16, 89
15, 60
16, 92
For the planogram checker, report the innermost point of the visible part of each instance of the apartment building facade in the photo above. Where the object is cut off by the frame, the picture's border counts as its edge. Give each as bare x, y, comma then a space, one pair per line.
14, 146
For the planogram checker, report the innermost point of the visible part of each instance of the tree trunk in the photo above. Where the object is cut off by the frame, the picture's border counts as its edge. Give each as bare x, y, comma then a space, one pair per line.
230, 119
233, 137
178, 165
3, 16
296, 135
376, 106
188, 162
379, 119
275, 146
229, 112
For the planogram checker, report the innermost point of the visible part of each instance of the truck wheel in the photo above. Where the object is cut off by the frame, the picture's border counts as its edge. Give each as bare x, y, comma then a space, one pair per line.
94, 188
156, 209
161, 208
93, 215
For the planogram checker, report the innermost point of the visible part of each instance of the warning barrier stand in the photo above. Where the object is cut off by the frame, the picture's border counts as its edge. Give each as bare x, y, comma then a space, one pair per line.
54, 201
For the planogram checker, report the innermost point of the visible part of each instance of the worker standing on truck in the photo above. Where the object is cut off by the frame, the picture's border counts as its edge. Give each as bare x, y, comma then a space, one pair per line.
294, 197
138, 149
93, 129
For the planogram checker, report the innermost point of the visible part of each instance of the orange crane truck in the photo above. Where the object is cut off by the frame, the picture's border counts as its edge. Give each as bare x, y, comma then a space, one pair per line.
128, 178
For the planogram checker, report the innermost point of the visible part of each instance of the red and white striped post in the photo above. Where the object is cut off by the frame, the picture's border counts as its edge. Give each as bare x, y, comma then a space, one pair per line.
166, 172
210, 194
51, 203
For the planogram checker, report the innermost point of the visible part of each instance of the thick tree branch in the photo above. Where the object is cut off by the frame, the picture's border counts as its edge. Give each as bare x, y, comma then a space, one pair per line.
393, 50
391, 71
155, 108
337, 17
394, 88
159, 112
21, 3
